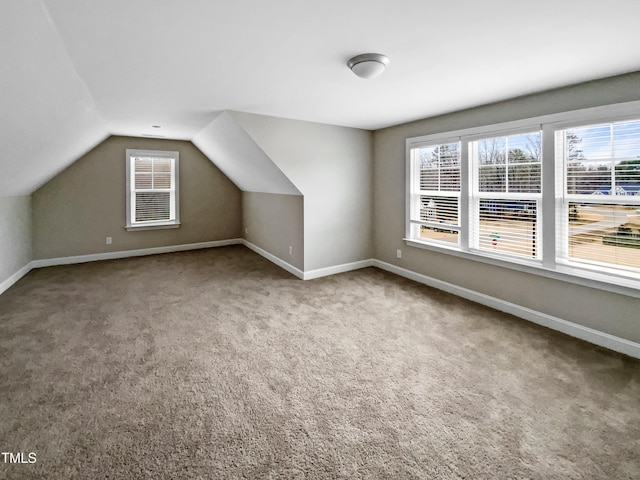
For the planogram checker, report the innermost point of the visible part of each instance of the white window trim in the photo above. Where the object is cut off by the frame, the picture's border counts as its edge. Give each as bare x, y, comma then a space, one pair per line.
434, 193
175, 222
476, 195
548, 266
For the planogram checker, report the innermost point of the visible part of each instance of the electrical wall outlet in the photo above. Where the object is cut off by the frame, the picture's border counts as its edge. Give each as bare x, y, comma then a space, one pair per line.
246, 230
290, 250
399, 253
109, 240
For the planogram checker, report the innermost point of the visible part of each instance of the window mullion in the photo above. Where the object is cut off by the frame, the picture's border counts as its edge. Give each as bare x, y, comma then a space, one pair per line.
550, 207
465, 189
506, 164
439, 168
613, 161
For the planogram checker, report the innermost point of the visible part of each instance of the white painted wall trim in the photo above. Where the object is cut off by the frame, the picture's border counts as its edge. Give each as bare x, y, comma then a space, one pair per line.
345, 267
569, 328
4, 285
310, 274
584, 333
272, 258
49, 262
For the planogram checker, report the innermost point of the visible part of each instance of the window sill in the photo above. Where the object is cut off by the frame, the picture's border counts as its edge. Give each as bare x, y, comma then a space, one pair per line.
566, 273
157, 226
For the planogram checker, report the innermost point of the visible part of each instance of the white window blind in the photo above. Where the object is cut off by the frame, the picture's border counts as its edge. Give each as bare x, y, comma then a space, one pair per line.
599, 225
152, 199
435, 198
559, 194
506, 194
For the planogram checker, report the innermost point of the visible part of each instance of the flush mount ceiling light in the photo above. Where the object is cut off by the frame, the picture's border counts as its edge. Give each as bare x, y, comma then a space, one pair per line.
368, 65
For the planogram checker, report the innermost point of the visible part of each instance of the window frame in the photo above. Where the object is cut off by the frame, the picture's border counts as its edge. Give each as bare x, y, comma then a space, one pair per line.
565, 199
477, 195
174, 222
417, 191
618, 281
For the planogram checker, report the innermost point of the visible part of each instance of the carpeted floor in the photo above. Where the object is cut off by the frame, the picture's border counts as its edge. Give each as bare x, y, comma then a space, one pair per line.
217, 364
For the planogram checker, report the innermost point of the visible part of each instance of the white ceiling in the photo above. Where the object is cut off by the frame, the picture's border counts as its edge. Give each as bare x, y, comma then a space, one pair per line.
241, 159
79, 70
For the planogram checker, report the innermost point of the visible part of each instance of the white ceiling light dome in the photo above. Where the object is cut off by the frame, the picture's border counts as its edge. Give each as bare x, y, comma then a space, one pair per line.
368, 65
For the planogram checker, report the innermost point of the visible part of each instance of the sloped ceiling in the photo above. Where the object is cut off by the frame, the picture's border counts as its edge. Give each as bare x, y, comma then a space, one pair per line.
240, 158
75, 71
48, 116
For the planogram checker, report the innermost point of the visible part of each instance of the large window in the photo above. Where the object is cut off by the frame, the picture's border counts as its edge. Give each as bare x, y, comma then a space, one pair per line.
555, 193
435, 201
152, 189
599, 221
506, 194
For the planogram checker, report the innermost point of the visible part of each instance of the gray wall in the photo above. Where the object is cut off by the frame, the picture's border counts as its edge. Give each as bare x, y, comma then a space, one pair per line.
15, 235
76, 210
332, 167
274, 222
607, 312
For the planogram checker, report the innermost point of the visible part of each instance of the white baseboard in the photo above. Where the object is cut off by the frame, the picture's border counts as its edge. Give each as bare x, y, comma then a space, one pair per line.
309, 274
272, 258
50, 262
573, 329
4, 285
584, 333
345, 267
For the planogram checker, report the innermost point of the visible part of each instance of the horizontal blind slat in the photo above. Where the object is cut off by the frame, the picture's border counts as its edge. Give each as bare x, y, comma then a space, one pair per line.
509, 226
153, 175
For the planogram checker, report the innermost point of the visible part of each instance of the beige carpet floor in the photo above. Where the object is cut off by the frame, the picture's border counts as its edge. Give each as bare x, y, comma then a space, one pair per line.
217, 364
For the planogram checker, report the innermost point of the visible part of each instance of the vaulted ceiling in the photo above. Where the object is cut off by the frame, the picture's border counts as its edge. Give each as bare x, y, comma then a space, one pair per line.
76, 71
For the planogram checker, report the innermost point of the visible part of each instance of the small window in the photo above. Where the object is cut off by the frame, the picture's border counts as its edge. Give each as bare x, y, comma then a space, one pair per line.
152, 189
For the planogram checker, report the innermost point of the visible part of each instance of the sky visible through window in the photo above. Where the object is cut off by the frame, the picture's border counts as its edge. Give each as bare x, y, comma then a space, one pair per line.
596, 143
596, 221
603, 159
